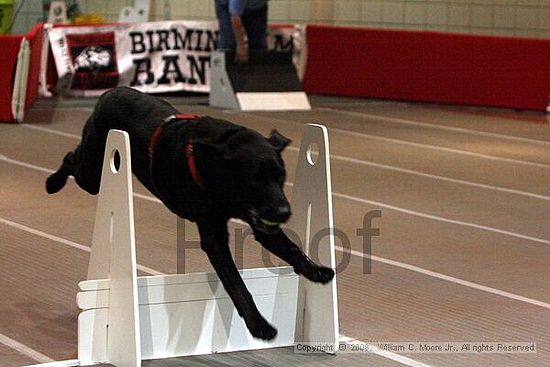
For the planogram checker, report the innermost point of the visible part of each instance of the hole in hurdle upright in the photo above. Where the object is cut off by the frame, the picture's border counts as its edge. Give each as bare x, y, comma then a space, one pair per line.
126, 318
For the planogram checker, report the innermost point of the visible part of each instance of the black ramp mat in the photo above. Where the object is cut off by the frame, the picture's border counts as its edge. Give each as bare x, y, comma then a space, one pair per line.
264, 72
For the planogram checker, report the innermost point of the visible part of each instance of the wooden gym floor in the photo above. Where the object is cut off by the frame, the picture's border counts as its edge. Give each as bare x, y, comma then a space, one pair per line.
463, 253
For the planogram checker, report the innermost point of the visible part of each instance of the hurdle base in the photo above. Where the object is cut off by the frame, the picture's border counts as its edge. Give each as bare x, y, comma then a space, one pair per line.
166, 301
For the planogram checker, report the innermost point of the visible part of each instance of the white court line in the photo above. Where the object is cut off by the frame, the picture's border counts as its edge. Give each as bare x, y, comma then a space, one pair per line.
423, 146
443, 149
438, 127
148, 198
366, 163
351, 198
382, 353
24, 350
64, 108
442, 219
63, 241
434, 177
447, 278
51, 131
66, 363
25, 164
49, 171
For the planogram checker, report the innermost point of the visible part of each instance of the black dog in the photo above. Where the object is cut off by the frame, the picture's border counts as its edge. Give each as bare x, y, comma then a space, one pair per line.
205, 170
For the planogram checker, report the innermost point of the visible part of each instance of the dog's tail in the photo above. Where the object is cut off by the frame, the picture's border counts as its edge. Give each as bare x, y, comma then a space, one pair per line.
57, 180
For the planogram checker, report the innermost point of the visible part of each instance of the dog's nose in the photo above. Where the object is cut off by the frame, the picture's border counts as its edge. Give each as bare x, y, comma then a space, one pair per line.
283, 213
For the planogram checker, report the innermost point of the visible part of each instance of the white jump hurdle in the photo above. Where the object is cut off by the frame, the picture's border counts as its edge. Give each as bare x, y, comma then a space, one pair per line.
126, 319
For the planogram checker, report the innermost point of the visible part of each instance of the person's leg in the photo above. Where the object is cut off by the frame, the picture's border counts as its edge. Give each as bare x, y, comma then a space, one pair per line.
255, 23
226, 39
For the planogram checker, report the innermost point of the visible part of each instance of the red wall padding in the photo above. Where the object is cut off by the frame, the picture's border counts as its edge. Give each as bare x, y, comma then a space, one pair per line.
428, 66
9, 48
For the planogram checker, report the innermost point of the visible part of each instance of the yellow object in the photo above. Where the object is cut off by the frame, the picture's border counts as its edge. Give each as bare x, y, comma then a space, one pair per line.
6, 15
88, 19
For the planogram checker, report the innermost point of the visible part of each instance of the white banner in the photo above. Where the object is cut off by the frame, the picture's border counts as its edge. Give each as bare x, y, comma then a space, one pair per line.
152, 57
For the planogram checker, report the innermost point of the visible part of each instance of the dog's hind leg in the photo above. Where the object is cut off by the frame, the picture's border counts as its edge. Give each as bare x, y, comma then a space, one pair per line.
58, 179
87, 173
84, 166
281, 246
214, 241
84, 163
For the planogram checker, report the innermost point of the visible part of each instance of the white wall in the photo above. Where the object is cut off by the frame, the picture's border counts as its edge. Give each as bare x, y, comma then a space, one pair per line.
529, 18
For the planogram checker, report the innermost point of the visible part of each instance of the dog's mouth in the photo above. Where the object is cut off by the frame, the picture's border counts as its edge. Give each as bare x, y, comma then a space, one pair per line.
263, 224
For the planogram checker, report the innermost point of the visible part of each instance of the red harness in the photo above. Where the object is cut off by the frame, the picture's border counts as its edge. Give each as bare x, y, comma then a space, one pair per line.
188, 149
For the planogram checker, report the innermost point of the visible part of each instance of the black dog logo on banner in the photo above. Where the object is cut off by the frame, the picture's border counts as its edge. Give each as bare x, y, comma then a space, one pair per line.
93, 58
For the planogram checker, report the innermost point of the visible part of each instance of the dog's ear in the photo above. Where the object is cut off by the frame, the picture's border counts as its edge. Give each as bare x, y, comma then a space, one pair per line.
278, 141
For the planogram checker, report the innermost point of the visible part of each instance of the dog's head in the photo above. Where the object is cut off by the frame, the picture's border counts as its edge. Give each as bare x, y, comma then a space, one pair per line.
249, 178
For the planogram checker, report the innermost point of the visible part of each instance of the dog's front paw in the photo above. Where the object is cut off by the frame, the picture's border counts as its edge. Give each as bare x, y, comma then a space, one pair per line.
261, 329
319, 274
